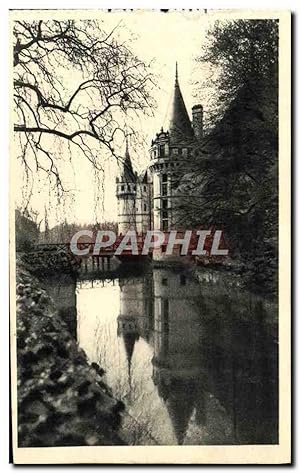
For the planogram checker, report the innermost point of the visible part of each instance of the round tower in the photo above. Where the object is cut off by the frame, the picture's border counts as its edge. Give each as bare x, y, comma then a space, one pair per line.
169, 150
126, 195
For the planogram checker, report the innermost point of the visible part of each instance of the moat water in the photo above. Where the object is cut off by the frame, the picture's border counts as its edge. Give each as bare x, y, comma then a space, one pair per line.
194, 360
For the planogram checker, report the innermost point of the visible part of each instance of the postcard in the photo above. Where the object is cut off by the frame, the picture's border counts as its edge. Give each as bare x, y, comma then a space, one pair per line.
150, 170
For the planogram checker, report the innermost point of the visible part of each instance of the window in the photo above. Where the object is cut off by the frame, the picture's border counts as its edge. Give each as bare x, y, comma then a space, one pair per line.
165, 177
175, 150
129, 188
166, 310
145, 207
165, 324
122, 188
164, 188
165, 225
162, 151
164, 281
165, 204
164, 214
145, 188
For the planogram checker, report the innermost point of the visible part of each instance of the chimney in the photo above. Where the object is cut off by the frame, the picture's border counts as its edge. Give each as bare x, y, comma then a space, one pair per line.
197, 111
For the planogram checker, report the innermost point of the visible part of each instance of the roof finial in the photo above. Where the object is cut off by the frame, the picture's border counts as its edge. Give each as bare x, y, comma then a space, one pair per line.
176, 74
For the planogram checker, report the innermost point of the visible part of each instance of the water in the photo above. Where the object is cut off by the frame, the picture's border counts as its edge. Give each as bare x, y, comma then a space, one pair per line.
195, 362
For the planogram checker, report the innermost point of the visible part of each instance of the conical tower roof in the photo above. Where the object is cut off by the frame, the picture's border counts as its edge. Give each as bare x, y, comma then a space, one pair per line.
128, 175
180, 127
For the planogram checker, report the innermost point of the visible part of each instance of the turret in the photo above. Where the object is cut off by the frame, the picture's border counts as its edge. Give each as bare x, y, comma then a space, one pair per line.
126, 195
169, 150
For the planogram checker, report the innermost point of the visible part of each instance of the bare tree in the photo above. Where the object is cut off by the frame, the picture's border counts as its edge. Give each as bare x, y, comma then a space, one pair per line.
74, 84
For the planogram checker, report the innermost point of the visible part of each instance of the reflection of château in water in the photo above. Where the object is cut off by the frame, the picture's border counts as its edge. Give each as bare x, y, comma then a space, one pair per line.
203, 348
178, 338
168, 325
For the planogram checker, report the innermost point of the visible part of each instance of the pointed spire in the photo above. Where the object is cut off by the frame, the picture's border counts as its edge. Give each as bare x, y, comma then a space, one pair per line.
127, 148
176, 75
128, 173
180, 128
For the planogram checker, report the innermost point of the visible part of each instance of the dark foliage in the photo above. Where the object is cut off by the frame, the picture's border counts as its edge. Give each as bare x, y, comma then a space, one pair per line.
232, 183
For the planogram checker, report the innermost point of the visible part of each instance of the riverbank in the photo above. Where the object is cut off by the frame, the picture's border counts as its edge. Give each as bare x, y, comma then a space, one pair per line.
62, 399
61, 395
255, 277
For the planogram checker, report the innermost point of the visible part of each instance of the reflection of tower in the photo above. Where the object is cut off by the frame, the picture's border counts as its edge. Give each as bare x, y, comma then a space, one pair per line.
178, 338
135, 318
127, 328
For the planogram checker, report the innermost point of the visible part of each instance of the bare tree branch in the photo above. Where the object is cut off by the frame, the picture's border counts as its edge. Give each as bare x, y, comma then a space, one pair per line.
113, 85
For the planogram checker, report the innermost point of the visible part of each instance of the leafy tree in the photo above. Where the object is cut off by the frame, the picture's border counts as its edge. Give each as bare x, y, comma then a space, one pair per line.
232, 182
241, 53
27, 230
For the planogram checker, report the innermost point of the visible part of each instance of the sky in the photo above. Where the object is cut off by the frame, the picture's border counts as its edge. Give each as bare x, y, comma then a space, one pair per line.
163, 38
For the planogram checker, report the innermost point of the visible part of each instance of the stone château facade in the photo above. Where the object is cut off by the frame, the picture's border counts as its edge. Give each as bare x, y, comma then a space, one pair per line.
149, 201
